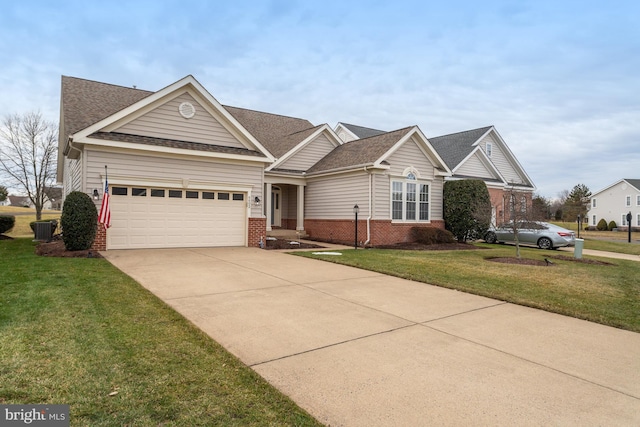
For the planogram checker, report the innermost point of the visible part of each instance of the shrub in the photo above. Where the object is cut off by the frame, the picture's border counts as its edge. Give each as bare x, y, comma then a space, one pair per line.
602, 225
431, 235
612, 225
6, 223
467, 208
54, 224
79, 221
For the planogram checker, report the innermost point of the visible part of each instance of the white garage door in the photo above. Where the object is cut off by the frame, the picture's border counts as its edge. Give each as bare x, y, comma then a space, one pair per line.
173, 218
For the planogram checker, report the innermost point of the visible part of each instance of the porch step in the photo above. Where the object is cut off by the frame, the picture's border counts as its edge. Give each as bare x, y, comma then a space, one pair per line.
287, 234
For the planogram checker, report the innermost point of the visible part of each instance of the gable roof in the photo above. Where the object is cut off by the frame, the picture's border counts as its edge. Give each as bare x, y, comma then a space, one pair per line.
360, 151
634, 182
277, 133
456, 147
85, 102
361, 131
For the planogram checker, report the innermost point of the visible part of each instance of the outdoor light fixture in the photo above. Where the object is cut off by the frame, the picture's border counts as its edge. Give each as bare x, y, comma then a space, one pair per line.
257, 200
356, 210
96, 195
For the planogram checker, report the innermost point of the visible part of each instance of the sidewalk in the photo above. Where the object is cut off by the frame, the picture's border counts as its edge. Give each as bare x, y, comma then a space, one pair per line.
604, 254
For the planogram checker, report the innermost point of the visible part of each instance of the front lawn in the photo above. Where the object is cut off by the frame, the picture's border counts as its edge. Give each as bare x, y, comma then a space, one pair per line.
608, 294
77, 331
24, 216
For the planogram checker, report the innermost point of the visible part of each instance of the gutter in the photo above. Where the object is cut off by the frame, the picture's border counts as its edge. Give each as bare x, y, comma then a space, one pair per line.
370, 207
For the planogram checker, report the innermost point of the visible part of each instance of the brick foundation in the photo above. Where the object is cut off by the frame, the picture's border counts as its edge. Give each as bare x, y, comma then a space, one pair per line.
257, 229
100, 242
383, 232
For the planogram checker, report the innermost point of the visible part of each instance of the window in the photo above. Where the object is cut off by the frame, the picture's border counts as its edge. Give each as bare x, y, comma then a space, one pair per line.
628, 201
593, 221
409, 199
223, 196
119, 191
238, 196
176, 194
157, 193
208, 195
638, 220
637, 200
488, 149
139, 192
593, 203
624, 219
192, 194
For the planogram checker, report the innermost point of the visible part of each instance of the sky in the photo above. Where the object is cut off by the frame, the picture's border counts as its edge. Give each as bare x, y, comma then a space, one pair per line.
560, 80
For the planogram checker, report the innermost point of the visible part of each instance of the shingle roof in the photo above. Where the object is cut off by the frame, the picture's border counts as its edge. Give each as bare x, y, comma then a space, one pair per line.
455, 147
361, 131
85, 102
634, 182
276, 133
162, 142
360, 151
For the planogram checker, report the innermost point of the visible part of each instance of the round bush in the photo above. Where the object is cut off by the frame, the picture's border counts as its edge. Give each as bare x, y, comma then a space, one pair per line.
6, 223
602, 225
54, 224
79, 221
612, 225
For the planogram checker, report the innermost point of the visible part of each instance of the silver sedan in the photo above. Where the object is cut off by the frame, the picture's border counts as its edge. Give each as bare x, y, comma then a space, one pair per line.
541, 234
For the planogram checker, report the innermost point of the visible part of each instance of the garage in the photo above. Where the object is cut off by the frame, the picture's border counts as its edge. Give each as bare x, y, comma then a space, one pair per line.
147, 217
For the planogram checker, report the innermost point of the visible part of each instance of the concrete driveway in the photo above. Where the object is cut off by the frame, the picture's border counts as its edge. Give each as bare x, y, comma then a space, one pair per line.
357, 348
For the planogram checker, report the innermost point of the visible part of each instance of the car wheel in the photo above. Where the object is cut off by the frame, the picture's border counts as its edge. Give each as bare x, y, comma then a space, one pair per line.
490, 237
545, 243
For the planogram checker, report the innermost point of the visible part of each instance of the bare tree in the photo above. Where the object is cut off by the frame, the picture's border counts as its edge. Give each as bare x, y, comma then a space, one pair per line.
520, 211
28, 148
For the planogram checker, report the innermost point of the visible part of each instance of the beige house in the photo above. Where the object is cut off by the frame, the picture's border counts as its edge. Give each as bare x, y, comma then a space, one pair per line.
186, 171
615, 201
473, 154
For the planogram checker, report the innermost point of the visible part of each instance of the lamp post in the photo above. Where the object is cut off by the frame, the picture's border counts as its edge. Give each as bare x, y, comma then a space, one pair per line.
629, 216
579, 224
356, 209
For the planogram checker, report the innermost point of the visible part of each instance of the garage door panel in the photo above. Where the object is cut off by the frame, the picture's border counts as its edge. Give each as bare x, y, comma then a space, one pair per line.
158, 222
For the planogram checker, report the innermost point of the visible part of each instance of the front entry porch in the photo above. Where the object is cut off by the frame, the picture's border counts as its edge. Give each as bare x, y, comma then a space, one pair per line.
284, 210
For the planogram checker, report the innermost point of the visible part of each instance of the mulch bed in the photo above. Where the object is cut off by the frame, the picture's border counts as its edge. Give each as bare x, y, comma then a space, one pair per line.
290, 244
3, 237
581, 260
519, 261
56, 248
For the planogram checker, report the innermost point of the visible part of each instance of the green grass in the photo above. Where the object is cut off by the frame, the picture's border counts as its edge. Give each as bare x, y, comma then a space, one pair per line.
21, 228
619, 247
72, 331
605, 294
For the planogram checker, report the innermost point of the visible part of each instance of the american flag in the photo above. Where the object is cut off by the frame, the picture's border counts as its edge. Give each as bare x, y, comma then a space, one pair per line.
105, 213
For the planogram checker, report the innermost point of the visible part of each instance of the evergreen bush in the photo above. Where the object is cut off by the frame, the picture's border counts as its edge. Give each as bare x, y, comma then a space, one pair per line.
602, 225
612, 225
79, 221
6, 223
467, 209
431, 235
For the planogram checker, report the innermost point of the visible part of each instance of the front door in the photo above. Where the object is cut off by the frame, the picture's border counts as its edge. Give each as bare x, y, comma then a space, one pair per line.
276, 218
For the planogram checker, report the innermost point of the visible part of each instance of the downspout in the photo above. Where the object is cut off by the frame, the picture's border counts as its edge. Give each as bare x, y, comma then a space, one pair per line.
370, 207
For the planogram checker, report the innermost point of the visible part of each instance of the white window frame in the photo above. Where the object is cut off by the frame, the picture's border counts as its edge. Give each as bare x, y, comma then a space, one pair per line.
594, 220
624, 220
627, 201
638, 220
638, 200
488, 149
593, 203
410, 184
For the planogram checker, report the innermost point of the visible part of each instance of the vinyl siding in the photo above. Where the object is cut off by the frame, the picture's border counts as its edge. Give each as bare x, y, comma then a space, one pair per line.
166, 122
309, 155
611, 204
72, 175
409, 155
501, 162
334, 197
149, 167
475, 167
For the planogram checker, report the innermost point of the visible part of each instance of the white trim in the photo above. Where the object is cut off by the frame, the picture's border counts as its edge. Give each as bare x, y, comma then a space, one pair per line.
486, 161
185, 184
341, 125
430, 153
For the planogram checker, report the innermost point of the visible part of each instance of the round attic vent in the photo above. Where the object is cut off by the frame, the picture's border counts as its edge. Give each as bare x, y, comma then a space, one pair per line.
187, 110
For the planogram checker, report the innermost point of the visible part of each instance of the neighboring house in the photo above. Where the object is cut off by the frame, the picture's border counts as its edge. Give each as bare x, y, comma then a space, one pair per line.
473, 154
614, 202
186, 171
53, 198
20, 201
